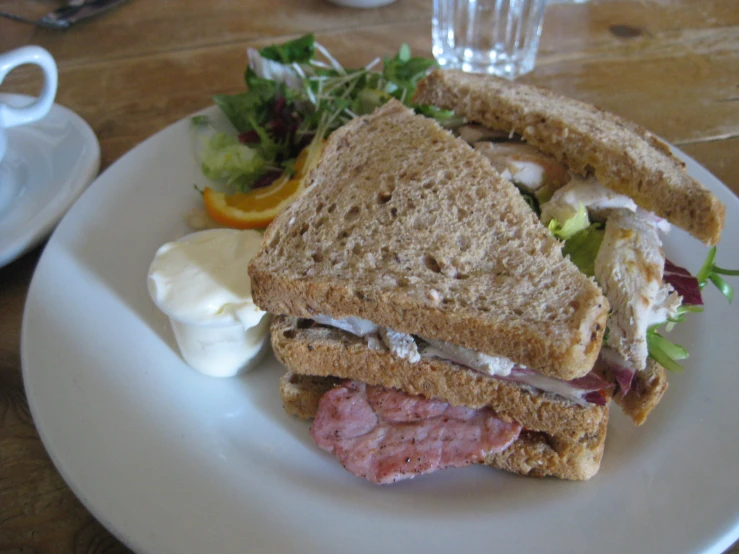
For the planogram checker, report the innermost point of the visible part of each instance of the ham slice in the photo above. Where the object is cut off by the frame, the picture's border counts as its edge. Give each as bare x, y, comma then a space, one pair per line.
618, 367
590, 388
385, 435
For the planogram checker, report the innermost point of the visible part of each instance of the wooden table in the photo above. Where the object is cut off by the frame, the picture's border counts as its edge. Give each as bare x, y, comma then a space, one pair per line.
672, 66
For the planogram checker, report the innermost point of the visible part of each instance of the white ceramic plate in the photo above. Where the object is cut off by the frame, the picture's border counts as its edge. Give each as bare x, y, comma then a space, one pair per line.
172, 461
47, 166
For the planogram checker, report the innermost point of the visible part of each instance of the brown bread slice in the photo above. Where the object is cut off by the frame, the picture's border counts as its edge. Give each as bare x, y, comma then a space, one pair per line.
621, 155
407, 226
562, 438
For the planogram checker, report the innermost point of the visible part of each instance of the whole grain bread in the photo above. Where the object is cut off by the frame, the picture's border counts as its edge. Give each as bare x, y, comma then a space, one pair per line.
534, 454
622, 155
407, 226
646, 391
311, 349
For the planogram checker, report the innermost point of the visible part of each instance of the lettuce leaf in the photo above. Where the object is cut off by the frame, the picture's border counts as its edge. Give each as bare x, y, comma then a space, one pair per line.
573, 225
445, 118
402, 73
254, 105
225, 159
583, 246
300, 50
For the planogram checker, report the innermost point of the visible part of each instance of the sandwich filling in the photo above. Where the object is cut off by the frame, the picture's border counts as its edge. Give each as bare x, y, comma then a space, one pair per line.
385, 435
588, 389
606, 235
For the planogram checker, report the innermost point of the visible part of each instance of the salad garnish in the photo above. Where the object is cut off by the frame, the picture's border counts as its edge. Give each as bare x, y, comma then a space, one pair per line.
711, 272
297, 94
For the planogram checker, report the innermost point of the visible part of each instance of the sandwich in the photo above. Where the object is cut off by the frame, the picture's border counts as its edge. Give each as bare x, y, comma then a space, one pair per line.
444, 300
412, 274
609, 189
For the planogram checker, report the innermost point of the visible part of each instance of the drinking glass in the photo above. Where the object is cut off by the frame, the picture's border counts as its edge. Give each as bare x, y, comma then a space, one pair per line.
500, 37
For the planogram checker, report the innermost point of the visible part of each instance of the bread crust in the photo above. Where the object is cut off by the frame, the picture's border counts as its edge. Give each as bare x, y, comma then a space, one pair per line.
410, 228
646, 392
534, 454
622, 155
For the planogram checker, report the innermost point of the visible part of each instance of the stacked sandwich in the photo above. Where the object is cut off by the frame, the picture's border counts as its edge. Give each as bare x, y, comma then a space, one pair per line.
426, 316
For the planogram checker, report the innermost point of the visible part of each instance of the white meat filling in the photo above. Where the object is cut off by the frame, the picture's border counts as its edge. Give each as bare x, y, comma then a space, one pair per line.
399, 344
524, 165
597, 199
402, 345
405, 346
492, 365
354, 325
629, 268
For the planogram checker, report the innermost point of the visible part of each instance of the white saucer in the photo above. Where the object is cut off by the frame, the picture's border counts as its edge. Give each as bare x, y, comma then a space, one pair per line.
47, 166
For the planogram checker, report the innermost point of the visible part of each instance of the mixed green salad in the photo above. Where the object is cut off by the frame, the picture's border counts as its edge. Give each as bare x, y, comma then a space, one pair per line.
297, 94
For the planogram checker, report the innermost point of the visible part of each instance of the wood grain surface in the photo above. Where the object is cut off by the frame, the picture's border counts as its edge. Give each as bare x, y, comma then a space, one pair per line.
670, 65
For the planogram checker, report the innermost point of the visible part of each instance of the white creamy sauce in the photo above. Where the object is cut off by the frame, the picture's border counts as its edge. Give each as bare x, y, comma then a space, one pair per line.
492, 365
201, 282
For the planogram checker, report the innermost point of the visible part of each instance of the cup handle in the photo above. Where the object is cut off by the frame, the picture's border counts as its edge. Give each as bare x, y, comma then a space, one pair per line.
11, 116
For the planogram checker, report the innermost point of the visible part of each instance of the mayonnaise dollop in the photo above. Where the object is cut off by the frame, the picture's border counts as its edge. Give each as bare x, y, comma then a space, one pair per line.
201, 282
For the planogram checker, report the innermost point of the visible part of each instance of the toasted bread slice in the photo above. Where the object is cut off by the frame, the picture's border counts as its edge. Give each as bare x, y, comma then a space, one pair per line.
408, 227
622, 156
533, 454
563, 438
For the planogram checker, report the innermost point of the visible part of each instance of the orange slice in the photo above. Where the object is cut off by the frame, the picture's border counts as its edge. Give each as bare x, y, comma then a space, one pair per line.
257, 208
254, 209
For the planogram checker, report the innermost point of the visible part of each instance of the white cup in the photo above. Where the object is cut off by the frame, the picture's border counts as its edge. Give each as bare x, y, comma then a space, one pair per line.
13, 116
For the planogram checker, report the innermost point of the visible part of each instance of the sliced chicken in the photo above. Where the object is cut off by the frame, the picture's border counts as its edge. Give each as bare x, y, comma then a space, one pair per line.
629, 269
525, 166
598, 200
492, 365
400, 344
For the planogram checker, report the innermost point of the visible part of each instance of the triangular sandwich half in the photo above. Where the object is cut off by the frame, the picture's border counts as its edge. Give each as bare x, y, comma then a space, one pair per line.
410, 271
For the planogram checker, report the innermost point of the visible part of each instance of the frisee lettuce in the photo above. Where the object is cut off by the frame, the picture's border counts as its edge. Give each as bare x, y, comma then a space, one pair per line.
300, 50
224, 158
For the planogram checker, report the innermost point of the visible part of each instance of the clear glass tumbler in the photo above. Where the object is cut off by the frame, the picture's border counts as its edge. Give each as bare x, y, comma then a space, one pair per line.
500, 37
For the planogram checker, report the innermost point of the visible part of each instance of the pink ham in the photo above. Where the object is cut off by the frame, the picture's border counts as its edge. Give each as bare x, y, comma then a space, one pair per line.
589, 389
385, 435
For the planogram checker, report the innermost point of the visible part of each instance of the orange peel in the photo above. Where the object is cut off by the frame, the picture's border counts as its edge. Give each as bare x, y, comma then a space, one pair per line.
257, 208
